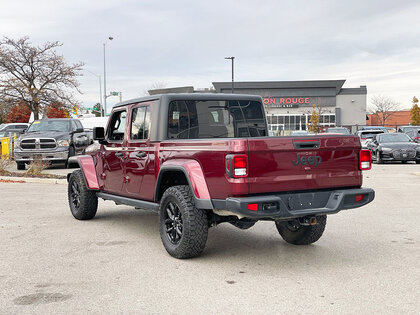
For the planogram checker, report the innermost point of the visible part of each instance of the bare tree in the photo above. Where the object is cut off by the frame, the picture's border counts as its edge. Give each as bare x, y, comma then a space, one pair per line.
383, 107
36, 75
5, 107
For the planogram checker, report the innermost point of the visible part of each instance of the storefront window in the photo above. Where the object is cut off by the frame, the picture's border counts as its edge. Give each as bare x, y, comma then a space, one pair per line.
284, 124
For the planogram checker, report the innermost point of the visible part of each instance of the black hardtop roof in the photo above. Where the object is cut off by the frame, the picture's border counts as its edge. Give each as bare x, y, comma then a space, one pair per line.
192, 97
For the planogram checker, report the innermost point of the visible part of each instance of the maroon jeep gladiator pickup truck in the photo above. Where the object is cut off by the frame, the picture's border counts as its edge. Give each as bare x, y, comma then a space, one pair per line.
204, 159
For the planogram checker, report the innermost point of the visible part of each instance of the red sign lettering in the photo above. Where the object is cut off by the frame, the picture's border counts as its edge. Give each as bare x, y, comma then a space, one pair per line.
282, 101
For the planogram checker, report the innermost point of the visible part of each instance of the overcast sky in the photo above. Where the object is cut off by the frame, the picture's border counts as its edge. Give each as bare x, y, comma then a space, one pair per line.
183, 43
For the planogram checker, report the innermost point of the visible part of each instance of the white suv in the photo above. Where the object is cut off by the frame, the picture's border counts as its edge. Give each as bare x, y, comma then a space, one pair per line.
367, 135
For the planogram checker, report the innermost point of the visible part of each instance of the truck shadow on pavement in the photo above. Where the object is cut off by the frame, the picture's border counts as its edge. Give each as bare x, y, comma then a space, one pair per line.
261, 244
268, 248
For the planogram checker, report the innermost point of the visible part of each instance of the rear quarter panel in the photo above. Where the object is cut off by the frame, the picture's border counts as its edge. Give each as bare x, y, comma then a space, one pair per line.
210, 154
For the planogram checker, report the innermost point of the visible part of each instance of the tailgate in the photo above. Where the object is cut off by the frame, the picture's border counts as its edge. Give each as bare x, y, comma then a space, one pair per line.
278, 164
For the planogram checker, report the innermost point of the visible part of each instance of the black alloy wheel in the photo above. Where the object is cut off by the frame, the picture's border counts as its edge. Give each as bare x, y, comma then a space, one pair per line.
75, 195
82, 201
173, 223
183, 228
297, 234
292, 225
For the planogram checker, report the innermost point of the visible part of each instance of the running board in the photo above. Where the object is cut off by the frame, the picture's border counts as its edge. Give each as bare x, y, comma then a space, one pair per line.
129, 201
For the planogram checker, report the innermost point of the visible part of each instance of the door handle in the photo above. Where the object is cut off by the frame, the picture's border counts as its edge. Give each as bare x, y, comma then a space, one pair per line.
141, 154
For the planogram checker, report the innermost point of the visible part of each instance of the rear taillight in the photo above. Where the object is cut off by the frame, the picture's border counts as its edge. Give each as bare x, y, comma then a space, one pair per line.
365, 159
416, 139
237, 165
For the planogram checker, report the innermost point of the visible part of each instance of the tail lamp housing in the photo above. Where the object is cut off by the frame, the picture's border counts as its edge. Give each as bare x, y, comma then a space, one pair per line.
365, 160
237, 165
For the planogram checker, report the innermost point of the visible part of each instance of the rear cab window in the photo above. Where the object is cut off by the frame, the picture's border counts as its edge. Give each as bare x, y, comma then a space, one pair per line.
215, 119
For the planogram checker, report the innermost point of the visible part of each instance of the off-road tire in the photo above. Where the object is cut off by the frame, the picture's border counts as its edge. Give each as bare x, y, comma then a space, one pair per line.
20, 166
82, 201
404, 162
417, 162
304, 234
378, 158
193, 221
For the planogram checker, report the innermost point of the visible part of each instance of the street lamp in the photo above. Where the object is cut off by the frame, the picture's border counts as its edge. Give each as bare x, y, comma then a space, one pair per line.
110, 38
100, 90
233, 84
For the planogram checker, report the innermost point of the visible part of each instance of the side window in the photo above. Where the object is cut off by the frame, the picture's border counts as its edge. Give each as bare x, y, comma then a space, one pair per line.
79, 124
73, 125
117, 126
140, 123
182, 120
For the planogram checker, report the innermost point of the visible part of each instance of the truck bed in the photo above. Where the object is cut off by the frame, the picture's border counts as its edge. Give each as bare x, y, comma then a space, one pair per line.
328, 162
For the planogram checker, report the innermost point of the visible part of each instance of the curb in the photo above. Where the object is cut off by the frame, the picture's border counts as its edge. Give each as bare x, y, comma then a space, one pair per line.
36, 180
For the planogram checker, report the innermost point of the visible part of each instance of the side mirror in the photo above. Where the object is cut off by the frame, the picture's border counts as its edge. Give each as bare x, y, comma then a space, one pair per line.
78, 130
99, 134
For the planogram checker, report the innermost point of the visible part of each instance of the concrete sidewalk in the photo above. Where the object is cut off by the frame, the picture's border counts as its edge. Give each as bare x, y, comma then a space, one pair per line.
57, 169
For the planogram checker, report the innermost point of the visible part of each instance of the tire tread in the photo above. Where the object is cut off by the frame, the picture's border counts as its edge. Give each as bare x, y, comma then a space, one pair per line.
88, 198
195, 236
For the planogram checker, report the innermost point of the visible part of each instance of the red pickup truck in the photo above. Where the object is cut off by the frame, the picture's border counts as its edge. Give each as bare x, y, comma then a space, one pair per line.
204, 159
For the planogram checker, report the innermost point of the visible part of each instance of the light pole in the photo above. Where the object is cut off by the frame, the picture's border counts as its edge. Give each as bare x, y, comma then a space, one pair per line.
233, 84
100, 91
110, 38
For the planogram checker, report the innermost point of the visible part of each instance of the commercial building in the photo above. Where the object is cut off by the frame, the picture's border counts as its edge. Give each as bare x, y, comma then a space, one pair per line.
289, 104
394, 119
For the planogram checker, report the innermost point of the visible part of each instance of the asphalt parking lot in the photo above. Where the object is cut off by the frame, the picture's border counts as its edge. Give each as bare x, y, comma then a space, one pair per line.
366, 262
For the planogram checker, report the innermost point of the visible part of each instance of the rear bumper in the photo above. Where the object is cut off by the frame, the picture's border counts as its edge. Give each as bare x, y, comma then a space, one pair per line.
294, 205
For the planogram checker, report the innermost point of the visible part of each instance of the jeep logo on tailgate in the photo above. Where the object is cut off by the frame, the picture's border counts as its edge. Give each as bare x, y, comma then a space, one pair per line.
305, 160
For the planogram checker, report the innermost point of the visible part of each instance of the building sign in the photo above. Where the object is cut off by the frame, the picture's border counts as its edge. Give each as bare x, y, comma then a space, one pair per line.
297, 101
286, 102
